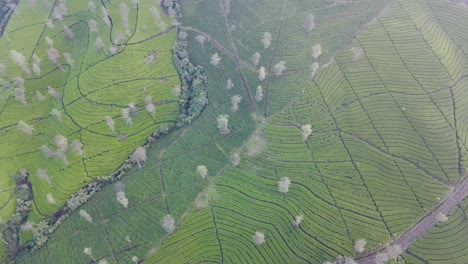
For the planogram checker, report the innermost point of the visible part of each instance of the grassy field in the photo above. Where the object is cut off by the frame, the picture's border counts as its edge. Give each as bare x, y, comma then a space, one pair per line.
389, 139
98, 84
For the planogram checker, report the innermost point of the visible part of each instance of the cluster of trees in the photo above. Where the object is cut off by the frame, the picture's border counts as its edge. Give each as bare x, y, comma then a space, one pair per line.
193, 93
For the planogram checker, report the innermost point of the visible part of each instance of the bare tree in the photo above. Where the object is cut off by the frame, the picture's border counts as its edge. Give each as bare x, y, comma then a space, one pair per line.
235, 101
110, 123
105, 16
53, 55
149, 105
20, 60
298, 221
39, 96
168, 223
360, 245
230, 84
139, 156
215, 59
259, 94
309, 23
99, 44
87, 251
132, 108
223, 124
266, 40
120, 194
126, 116
20, 95
440, 217
56, 114
25, 128
61, 142
258, 238
49, 41
43, 175
201, 40
316, 50
86, 216
49, 23
283, 184
235, 160
92, 7
202, 171
261, 73
47, 151
124, 18
68, 32
256, 58
313, 69
53, 92
279, 68
92, 25
358, 52
77, 147
50, 199
306, 130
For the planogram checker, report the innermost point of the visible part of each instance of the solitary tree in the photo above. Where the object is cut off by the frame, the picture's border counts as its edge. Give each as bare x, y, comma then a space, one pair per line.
258, 238
103, 261
348, 260
360, 245
309, 23
47, 151
313, 69
139, 156
259, 94
235, 160
279, 68
135, 259
298, 221
202, 171
132, 108
3, 69
381, 258
135, 3
49, 23
49, 41
56, 114
394, 251
168, 223
86, 216
215, 59
283, 184
36, 69
256, 58
25, 128
223, 124
358, 52
87, 251
99, 44
110, 123
316, 50
20, 95
261, 73
235, 101
306, 131
266, 40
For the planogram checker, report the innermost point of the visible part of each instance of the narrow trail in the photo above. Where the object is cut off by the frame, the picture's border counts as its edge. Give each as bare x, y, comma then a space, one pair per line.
459, 193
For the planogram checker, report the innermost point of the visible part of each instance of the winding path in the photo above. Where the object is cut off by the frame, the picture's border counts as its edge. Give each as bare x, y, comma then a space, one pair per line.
459, 193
